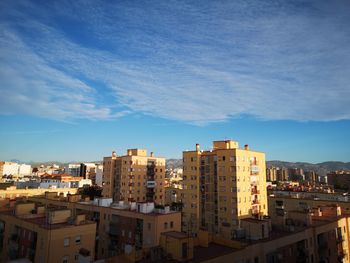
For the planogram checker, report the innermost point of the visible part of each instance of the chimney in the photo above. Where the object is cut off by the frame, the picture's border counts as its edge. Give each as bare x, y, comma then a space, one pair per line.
197, 147
152, 154
227, 144
129, 152
246, 147
114, 154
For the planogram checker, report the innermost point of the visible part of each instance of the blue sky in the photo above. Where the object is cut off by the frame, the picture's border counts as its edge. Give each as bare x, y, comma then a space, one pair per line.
81, 78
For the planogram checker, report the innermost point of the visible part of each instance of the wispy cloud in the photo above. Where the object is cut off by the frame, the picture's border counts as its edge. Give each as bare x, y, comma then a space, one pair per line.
194, 62
33, 132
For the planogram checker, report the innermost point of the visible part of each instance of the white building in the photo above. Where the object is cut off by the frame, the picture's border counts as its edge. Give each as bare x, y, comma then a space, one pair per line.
64, 181
99, 175
73, 169
10, 168
24, 169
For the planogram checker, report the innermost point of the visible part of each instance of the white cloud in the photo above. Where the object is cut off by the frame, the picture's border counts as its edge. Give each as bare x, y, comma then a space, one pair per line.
197, 64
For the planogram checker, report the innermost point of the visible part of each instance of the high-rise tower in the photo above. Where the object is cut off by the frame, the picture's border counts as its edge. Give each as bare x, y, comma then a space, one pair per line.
134, 177
222, 186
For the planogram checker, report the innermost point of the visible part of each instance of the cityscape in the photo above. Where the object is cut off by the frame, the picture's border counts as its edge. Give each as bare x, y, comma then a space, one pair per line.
175, 131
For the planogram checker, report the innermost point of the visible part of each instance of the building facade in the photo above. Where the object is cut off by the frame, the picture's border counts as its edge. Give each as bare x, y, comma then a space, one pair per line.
134, 177
121, 227
29, 231
15, 169
222, 186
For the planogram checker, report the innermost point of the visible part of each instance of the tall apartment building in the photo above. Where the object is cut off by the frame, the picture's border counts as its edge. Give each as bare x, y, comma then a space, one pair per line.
282, 174
134, 177
339, 179
221, 187
271, 174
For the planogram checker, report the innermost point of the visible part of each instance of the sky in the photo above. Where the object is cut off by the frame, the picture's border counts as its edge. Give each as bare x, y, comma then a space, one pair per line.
79, 79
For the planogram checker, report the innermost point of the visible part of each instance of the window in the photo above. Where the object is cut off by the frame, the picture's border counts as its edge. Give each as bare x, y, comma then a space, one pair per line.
149, 226
171, 224
77, 240
66, 241
76, 257
65, 259
166, 225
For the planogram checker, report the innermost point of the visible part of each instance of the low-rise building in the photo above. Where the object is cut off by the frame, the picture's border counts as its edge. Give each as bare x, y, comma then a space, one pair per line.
122, 228
12, 192
14, 169
30, 231
63, 181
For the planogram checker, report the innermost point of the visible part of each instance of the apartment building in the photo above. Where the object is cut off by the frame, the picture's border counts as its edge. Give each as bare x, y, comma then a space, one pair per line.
306, 236
122, 227
15, 169
339, 179
271, 174
134, 177
281, 202
282, 174
222, 186
43, 235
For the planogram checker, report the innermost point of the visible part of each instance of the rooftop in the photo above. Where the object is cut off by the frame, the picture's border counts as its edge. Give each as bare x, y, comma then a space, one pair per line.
41, 221
175, 234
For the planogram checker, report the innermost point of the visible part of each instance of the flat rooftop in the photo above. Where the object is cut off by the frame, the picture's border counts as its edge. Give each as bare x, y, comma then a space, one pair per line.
40, 220
175, 234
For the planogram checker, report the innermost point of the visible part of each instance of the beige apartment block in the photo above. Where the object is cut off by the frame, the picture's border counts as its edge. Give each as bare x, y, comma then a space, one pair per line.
43, 235
134, 177
222, 186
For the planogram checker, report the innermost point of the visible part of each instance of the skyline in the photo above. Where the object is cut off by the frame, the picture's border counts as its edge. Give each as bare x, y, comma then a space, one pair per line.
82, 79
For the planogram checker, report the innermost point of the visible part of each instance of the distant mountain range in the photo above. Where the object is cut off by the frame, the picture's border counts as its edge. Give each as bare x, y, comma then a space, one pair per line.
320, 168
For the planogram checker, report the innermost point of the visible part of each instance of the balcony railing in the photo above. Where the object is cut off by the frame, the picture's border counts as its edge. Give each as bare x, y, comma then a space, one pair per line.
255, 192
255, 202
151, 184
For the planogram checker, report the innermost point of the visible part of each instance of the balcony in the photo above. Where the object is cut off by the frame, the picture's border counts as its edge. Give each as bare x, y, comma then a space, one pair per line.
322, 245
340, 239
255, 211
151, 184
113, 229
254, 170
14, 237
255, 192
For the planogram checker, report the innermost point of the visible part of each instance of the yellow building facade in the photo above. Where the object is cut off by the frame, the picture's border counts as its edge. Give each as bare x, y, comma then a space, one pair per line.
134, 177
31, 231
222, 186
120, 227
